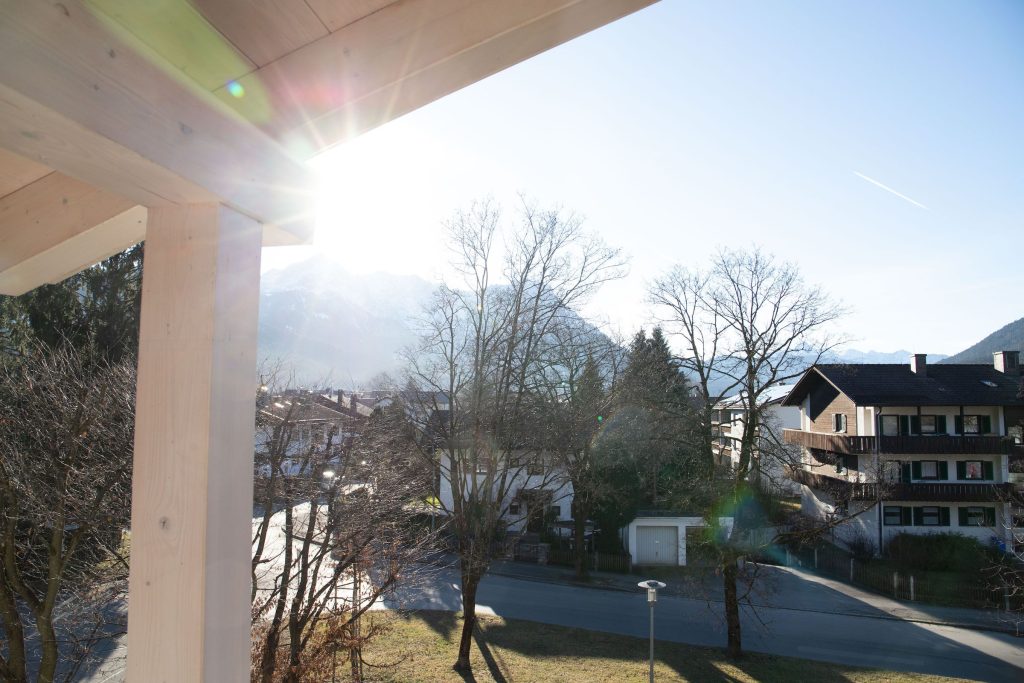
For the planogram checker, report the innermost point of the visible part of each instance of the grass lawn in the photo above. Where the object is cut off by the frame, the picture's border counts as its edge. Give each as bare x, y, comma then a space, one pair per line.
424, 645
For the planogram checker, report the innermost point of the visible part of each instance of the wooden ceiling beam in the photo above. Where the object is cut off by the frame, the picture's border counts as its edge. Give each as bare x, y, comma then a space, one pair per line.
83, 95
402, 57
55, 226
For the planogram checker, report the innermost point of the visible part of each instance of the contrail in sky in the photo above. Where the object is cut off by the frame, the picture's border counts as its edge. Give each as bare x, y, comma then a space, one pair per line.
889, 189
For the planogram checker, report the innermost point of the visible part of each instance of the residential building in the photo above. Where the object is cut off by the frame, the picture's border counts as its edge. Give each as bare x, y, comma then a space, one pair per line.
313, 423
918, 448
771, 455
537, 490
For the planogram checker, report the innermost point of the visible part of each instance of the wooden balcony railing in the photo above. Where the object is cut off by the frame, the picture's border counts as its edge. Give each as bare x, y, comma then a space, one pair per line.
925, 445
938, 492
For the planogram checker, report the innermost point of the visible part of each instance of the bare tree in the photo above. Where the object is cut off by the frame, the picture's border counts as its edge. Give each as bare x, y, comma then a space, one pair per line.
576, 387
335, 529
66, 423
746, 324
482, 351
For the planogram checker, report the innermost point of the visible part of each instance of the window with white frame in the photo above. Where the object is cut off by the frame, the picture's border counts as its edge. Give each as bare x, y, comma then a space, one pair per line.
978, 515
929, 469
838, 422
930, 516
975, 516
973, 469
890, 425
894, 516
972, 425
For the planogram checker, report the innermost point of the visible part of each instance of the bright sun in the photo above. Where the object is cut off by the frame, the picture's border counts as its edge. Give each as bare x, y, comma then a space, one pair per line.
380, 202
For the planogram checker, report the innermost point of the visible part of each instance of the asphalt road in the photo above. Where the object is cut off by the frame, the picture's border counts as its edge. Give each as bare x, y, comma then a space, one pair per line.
816, 624
860, 640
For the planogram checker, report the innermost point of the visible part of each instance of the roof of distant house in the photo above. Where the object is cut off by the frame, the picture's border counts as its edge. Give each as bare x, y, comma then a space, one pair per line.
301, 409
898, 385
772, 394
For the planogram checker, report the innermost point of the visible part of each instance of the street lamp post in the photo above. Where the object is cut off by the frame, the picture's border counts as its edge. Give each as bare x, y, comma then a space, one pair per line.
652, 587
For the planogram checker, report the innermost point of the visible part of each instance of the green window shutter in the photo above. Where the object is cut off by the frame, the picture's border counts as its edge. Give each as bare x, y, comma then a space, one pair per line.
961, 470
905, 473
918, 517
940, 424
990, 516
851, 462
958, 424
904, 424
915, 424
943, 516
986, 424
987, 470
915, 469
907, 516
962, 516
943, 469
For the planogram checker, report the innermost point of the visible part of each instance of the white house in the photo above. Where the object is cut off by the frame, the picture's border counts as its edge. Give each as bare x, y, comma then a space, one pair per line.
916, 448
537, 491
770, 456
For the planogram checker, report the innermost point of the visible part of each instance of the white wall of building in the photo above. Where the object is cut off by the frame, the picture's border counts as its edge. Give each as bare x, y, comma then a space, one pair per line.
864, 516
554, 480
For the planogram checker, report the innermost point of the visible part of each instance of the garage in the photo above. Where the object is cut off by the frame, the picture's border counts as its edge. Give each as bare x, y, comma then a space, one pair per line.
663, 539
657, 545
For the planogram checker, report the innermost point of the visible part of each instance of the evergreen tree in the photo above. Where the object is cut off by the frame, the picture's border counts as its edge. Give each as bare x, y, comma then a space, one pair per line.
94, 311
655, 404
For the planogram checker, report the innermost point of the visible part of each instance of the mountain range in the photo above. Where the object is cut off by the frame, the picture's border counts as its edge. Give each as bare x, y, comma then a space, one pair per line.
1010, 337
331, 326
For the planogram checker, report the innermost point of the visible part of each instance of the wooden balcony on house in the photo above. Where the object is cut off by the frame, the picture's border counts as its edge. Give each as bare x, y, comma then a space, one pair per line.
931, 491
927, 445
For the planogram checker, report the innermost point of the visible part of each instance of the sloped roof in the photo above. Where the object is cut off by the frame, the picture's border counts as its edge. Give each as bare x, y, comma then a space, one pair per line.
773, 394
897, 385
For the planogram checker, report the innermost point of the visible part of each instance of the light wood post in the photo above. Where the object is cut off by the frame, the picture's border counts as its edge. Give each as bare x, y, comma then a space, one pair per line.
188, 610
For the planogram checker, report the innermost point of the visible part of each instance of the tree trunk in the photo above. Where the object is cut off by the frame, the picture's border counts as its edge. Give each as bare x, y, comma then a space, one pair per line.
14, 670
469, 585
48, 648
732, 607
579, 518
268, 663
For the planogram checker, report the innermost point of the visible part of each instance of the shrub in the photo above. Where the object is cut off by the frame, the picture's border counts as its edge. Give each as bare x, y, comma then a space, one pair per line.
938, 552
861, 547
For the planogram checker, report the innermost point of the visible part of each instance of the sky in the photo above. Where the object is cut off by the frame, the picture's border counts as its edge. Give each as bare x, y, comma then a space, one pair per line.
878, 146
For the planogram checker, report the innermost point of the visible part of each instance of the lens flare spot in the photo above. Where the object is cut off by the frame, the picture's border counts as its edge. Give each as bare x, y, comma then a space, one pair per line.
235, 89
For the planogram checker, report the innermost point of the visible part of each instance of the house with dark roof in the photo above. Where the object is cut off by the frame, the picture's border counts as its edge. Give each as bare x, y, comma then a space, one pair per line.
915, 448
298, 423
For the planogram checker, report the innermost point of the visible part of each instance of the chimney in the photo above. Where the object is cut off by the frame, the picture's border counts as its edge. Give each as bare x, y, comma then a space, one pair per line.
1007, 362
341, 398
919, 364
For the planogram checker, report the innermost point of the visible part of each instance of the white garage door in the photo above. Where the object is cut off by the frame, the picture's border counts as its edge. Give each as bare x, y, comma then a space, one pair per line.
657, 545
